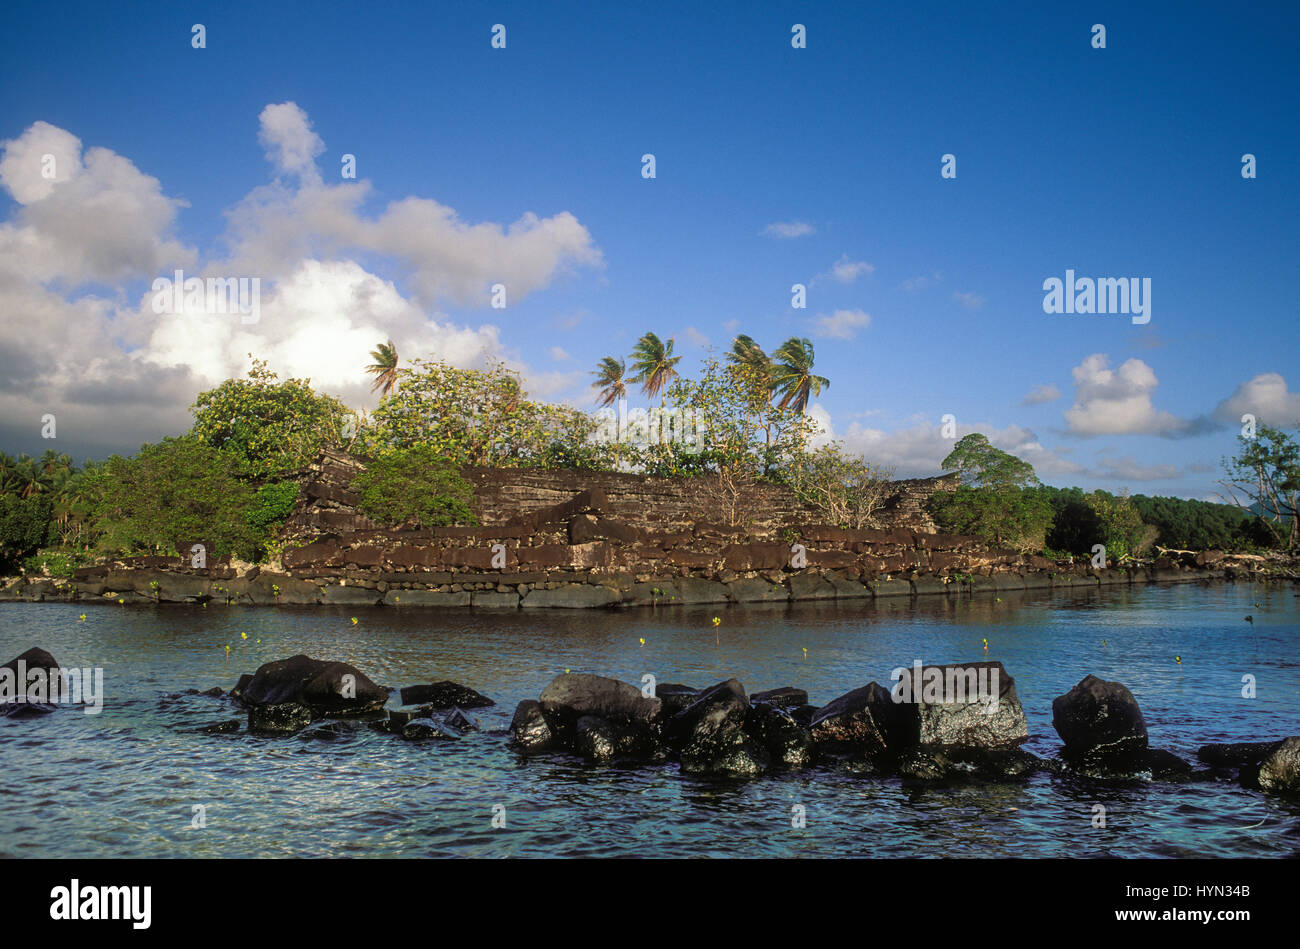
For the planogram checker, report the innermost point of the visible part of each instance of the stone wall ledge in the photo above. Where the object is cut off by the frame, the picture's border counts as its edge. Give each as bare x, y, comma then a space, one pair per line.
572, 589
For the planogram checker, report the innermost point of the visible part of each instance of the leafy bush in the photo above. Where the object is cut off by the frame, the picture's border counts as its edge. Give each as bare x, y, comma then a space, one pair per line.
24, 527
271, 505
414, 484
179, 489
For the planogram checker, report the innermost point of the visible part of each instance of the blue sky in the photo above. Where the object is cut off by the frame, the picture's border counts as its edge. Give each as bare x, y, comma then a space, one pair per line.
1115, 162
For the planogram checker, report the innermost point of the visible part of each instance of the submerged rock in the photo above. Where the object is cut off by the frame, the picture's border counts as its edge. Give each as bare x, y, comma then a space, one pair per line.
786, 697
220, 728
282, 718
529, 727
426, 729
462, 722
1280, 770
1237, 754
320, 685
445, 694
788, 743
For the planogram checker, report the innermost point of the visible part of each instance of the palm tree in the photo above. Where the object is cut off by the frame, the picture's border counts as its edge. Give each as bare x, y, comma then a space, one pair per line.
609, 380
384, 368
792, 374
654, 361
748, 354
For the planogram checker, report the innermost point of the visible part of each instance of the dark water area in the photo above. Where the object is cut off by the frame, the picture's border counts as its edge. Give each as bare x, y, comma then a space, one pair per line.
123, 783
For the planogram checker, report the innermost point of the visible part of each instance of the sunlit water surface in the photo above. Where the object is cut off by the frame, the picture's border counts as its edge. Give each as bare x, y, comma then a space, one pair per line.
125, 782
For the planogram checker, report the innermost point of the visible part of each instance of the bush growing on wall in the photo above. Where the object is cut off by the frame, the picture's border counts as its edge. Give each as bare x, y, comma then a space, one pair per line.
414, 484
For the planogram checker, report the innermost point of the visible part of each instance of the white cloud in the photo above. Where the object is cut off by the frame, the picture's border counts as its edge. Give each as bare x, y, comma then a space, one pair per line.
695, 337
788, 229
100, 219
1117, 401
918, 450
970, 299
1266, 397
116, 374
1040, 394
291, 145
842, 324
731, 325
559, 354
846, 271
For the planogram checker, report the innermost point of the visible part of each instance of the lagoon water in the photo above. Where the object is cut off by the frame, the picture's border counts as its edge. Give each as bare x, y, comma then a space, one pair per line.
125, 782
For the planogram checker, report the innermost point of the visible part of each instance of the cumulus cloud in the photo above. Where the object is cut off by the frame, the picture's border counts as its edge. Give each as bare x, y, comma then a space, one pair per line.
1040, 394
1266, 397
100, 219
845, 270
291, 146
917, 449
788, 229
1117, 401
115, 373
842, 324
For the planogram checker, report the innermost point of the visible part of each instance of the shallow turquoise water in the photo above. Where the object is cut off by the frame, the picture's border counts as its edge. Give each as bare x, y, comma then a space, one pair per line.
124, 782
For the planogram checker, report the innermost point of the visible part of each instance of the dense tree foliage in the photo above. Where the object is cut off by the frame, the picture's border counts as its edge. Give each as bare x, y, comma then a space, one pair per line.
273, 427
1264, 477
995, 499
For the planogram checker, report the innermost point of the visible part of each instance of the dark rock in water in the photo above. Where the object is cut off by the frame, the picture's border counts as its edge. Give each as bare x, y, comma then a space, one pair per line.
934, 763
680, 727
1098, 719
675, 697
1280, 771
315, 683
1166, 764
851, 723
924, 764
786, 697
215, 692
425, 729
25, 709
12, 702
1237, 754
788, 743
1155, 762
712, 737
399, 718
966, 705
595, 739
461, 722
570, 696
530, 728
283, 718
804, 714
238, 691
445, 694
220, 728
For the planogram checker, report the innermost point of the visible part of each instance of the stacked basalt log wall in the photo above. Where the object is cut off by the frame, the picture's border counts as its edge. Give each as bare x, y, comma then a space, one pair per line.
586, 539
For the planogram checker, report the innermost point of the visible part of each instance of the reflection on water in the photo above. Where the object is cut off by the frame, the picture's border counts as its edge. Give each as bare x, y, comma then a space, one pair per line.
124, 782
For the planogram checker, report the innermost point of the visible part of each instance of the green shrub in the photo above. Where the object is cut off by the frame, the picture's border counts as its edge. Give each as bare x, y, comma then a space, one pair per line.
414, 484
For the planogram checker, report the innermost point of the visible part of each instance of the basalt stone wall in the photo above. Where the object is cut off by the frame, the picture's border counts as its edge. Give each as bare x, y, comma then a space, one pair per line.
513, 495
615, 540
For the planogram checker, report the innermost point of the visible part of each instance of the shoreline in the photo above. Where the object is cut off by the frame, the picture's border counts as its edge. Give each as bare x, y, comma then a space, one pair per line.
578, 590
